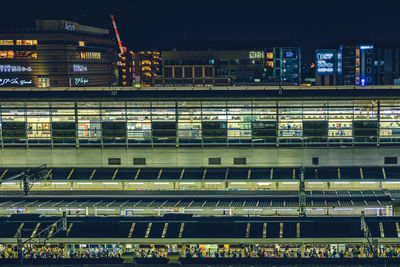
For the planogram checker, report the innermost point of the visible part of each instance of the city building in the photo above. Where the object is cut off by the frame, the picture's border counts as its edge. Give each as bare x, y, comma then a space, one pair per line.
349, 63
231, 63
58, 53
387, 63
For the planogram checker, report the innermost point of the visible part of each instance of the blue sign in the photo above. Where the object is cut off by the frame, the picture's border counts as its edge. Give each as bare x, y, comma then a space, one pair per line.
325, 61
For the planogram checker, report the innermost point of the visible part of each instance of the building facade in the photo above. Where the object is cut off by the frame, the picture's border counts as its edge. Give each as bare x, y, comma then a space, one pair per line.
58, 53
346, 64
247, 118
230, 63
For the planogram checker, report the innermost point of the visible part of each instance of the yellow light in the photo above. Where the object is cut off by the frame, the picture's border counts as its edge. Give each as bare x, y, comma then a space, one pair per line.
81, 43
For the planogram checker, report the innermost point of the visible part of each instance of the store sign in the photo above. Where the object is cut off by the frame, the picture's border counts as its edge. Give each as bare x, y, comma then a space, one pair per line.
69, 27
256, 55
80, 81
14, 68
79, 68
325, 61
290, 54
14, 82
366, 47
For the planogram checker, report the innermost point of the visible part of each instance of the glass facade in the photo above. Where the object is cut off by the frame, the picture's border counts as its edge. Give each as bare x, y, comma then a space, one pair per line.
201, 122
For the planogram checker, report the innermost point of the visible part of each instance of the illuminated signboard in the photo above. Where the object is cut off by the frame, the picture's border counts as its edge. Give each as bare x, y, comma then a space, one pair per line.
366, 47
325, 61
69, 27
79, 68
256, 54
290, 54
81, 81
14, 82
14, 68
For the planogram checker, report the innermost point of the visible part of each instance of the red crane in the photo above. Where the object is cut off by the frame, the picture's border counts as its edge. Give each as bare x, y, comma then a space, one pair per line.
121, 48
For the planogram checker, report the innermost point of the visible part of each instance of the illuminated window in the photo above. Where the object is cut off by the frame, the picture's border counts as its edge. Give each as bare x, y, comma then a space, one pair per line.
270, 64
358, 52
26, 42
81, 43
88, 55
270, 55
6, 42
6, 54
43, 82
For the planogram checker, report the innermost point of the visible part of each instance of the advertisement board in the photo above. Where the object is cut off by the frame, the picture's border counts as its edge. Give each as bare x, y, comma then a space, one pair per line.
325, 61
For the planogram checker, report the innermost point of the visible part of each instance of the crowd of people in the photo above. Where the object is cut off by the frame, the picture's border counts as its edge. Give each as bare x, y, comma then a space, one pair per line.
44, 252
199, 251
270, 252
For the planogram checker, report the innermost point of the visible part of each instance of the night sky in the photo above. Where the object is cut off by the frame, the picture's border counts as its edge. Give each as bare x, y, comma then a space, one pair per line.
163, 24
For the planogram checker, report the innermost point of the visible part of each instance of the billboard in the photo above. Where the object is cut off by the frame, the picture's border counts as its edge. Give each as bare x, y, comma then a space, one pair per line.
325, 61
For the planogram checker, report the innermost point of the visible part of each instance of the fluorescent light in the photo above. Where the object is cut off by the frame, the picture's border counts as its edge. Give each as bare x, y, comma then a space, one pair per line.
393, 182
213, 182
15, 209
368, 182
222, 209
74, 209
193, 209
376, 208
163, 210
134, 209
341, 182
342, 208
45, 209
317, 209
161, 183
135, 183
263, 184
58, 183
110, 183
186, 183
290, 182
84, 183
252, 209
315, 182
281, 209
238, 183
9, 183
105, 209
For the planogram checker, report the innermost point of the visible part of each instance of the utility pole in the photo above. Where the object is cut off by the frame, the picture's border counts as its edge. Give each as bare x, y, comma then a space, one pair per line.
302, 194
372, 242
44, 235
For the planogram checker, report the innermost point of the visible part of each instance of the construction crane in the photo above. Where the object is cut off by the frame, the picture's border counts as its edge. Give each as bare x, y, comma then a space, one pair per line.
30, 176
122, 49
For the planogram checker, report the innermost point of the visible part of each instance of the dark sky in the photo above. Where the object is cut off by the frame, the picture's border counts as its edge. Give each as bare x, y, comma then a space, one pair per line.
162, 24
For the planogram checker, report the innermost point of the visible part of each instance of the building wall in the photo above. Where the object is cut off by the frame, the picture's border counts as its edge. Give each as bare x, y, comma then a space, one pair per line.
56, 59
194, 157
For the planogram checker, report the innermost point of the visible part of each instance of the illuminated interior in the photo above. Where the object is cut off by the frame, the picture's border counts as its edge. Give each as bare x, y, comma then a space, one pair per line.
197, 122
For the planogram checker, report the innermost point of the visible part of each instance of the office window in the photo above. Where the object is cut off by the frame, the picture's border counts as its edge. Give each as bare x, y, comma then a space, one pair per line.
81, 43
6, 42
369, 60
188, 72
178, 72
368, 79
26, 42
368, 70
168, 72
43, 82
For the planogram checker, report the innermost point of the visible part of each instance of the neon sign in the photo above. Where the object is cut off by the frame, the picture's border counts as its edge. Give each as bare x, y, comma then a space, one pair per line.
365, 47
69, 27
256, 54
79, 68
14, 68
81, 80
14, 81
325, 61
